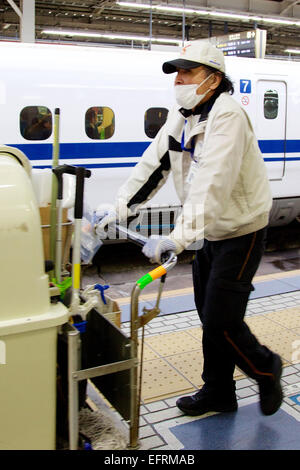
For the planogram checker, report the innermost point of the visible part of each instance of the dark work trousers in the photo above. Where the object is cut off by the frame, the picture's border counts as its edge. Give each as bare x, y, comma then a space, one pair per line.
222, 274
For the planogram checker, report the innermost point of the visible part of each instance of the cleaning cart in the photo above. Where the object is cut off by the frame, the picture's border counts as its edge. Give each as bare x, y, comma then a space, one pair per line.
111, 358
97, 348
108, 357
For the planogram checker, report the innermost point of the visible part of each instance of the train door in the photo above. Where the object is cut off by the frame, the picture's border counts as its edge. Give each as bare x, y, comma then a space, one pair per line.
271, 125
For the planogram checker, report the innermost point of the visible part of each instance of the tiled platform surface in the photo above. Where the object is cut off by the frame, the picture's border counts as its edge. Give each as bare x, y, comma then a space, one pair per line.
173, 361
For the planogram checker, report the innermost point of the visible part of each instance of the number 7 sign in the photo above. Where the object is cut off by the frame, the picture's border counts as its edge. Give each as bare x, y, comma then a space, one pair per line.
245, 86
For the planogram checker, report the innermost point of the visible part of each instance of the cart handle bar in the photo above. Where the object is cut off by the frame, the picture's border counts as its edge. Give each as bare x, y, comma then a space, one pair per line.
81, 173
71, 170
158, 272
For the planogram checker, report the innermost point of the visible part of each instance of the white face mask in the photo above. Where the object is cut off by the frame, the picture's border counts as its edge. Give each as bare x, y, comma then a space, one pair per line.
186, 95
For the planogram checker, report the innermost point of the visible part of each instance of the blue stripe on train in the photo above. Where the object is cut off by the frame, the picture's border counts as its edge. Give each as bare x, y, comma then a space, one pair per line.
96, 165
43, 151
84, 150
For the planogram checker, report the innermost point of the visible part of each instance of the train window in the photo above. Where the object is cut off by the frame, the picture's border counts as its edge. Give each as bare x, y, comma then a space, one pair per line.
271, 104
99, 122
36, 122
154, 120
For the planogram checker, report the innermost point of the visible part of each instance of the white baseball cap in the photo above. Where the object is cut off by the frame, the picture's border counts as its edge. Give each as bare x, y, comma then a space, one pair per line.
194, 55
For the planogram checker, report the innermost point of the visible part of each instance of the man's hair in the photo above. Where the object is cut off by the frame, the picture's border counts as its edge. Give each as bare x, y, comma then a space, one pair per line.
225, 85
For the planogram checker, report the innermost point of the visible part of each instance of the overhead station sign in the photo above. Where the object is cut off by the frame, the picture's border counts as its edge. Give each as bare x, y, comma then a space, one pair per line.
244, 44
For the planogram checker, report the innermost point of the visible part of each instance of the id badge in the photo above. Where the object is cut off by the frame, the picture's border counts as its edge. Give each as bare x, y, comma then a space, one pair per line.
193, 169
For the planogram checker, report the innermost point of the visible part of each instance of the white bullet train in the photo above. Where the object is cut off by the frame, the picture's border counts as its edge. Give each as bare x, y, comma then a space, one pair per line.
112, 103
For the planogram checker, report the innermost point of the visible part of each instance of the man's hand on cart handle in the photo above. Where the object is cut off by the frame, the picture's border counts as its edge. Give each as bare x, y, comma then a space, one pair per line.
109, 216
156, 247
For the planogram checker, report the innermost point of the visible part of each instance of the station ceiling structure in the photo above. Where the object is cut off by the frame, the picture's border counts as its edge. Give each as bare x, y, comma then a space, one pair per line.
141, 24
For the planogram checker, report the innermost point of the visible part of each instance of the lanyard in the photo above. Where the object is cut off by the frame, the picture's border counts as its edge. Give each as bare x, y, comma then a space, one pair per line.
192, 149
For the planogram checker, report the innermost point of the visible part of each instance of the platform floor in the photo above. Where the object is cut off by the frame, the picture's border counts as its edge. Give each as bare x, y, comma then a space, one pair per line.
173, 362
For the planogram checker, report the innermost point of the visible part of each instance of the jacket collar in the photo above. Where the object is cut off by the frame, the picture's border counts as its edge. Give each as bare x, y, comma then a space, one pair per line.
202, 110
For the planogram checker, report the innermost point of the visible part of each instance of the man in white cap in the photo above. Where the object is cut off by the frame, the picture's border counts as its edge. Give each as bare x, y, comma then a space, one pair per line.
209, 146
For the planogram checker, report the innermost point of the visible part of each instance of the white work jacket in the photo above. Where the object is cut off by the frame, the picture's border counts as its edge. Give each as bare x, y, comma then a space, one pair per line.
221, 181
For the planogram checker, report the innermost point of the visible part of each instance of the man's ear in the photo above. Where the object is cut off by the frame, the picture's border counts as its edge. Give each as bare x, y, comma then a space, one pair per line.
217, 78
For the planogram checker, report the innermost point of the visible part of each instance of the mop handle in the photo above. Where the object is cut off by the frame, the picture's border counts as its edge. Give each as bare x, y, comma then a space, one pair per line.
81, 174
55, 161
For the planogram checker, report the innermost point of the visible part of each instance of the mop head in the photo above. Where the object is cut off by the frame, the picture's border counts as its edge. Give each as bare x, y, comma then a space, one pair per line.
100, 429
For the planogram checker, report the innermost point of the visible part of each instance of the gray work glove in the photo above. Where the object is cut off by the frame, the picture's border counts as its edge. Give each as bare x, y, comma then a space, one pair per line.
155, 247
106, 217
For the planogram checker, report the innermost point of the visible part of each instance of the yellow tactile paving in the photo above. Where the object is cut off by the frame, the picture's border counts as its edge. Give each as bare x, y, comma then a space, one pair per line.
264, 326
172, 343
179, 367
289, 318
189, 364
149, 354
284, 344
160, 380
195, 332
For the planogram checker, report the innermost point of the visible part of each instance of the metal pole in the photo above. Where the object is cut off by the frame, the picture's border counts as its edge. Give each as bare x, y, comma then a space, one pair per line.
28, 21
73, 366
183, 23
58, 254
150, 27
15, 7
75, 302
53, 212
134, 405
81, 174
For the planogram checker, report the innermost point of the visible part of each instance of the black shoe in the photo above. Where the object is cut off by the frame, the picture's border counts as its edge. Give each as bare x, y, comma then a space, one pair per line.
270, 389
202, 402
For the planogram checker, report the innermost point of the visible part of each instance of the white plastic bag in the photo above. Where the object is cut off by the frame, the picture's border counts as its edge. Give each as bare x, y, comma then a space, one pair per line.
90, 242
